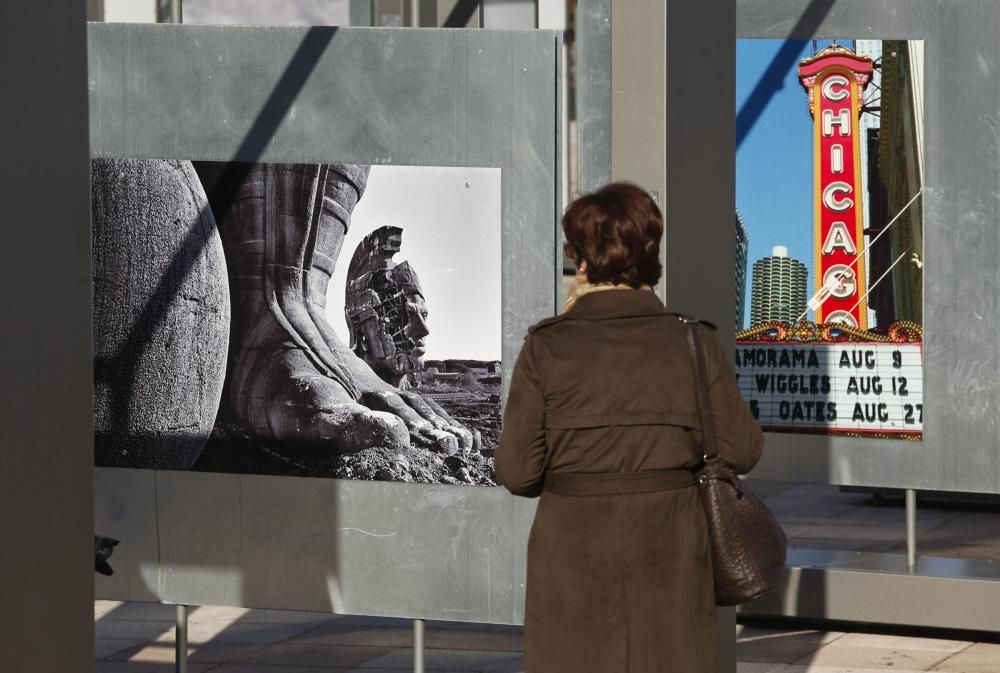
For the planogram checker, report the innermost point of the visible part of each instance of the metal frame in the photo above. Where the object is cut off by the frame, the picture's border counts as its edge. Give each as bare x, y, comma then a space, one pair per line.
945, 593
365, 95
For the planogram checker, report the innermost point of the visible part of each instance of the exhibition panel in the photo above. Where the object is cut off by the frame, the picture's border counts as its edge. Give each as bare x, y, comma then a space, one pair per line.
359, 217
923, 191
957, 141
958, 201
926, 183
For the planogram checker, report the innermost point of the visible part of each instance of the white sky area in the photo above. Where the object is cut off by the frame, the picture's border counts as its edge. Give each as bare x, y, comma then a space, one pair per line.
450, 219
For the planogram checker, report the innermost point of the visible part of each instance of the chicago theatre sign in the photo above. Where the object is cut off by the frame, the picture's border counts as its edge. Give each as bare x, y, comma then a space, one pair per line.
835, 79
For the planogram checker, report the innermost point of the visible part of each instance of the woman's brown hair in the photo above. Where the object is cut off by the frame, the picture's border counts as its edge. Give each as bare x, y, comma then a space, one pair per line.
617, 231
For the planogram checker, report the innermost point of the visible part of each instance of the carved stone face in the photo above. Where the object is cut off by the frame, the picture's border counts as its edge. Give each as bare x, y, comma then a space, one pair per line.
402, 316
385, 308
416, 324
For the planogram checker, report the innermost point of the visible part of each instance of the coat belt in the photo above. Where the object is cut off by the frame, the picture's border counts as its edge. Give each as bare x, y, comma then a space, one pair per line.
612, 483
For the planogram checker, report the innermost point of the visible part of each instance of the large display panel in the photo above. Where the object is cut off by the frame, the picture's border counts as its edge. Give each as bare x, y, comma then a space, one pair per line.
959, 449
360, 307
439, 100
829, 237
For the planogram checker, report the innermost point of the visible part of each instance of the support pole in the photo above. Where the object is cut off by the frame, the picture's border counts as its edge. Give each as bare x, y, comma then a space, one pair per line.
911, 530
664, 55
181, 640
418, 646
169, 11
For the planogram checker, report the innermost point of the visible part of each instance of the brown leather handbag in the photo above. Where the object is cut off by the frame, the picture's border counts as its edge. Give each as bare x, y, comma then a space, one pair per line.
748, 544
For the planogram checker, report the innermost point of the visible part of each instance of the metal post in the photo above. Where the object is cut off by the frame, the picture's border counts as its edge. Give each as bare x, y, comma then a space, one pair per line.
911, 530
181, 640
418, 646
169, 11
95, 10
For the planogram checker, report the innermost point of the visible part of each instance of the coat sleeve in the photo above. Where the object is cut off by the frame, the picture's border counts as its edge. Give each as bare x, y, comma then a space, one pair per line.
739, 436
520, 457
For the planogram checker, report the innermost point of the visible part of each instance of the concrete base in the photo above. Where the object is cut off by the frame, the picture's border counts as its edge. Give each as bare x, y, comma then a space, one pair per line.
947, 593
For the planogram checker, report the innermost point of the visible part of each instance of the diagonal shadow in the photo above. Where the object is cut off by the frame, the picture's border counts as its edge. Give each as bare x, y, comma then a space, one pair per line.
461, 14
119, 371
289, 86
773, 78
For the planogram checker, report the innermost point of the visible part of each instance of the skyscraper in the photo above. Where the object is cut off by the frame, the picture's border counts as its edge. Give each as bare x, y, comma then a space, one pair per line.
778, 291
742, 244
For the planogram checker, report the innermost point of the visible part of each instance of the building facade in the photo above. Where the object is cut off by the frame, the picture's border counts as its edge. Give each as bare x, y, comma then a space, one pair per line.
740, 274
893, 176
901, 171
778, 290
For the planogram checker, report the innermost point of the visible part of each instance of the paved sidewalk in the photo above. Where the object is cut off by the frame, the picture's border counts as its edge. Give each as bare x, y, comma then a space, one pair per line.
139, 638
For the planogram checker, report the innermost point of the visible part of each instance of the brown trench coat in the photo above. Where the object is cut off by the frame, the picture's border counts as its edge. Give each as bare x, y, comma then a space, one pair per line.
617, 583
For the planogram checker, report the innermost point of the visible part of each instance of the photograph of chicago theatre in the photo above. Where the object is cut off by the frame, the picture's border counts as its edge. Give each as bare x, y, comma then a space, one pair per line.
326, 320
829, 235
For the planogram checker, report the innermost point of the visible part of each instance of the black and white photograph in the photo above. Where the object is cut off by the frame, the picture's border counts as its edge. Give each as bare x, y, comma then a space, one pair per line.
322, 320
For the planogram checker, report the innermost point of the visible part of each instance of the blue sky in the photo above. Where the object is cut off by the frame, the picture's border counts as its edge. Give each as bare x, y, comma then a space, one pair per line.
774, 170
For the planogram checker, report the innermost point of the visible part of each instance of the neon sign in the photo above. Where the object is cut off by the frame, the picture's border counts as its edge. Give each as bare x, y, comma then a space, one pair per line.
835, 79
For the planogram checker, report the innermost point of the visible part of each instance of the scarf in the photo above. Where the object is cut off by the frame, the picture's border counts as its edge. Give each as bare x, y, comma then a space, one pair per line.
582, 286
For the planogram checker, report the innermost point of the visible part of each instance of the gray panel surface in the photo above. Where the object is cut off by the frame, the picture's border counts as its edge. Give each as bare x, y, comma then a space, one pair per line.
343, 546
323, 545
46, 415
593, 85
125, 509
961, 446
379, 96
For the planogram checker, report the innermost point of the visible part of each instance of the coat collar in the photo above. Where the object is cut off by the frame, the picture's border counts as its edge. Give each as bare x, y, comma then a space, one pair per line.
611, 304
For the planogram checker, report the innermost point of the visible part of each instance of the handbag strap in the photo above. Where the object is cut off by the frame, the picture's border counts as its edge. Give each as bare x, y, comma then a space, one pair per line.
709, 446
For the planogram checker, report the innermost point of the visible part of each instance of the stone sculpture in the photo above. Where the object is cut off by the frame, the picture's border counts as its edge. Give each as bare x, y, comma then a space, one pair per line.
292, 382
161, 314
385, 308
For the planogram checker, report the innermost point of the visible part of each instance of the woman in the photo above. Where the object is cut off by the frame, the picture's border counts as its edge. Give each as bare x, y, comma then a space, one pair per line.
602, 423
